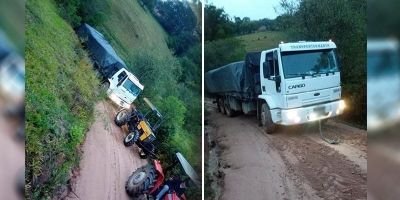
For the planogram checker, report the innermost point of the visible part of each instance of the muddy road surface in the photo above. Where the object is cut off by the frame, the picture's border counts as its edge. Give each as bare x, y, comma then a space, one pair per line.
106, 163
243, 162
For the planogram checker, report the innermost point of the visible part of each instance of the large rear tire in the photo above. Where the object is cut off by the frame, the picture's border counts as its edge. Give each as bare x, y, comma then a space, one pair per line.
141, 181
120, 117
266, 119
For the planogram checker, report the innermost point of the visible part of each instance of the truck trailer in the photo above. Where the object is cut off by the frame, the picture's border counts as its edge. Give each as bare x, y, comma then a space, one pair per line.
295, 83
122, 86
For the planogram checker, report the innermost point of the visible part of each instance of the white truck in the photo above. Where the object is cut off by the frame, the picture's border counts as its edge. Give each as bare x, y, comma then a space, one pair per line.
123, 86
294, 83
383, 64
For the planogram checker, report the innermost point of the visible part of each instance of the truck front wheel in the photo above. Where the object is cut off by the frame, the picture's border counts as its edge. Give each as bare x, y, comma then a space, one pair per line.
266, 119
120, 118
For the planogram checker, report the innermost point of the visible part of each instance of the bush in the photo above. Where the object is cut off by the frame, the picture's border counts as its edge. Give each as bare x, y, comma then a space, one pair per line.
83, 11
60, 95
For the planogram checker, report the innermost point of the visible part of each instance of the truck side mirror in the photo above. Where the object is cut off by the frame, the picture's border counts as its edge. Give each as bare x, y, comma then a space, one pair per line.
278, 81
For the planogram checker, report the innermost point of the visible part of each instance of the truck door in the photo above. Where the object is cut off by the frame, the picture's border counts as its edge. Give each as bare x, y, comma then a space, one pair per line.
270, 77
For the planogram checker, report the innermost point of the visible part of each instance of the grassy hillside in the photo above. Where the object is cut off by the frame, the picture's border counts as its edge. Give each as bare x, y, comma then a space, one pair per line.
132, 29
61, 90
262, 40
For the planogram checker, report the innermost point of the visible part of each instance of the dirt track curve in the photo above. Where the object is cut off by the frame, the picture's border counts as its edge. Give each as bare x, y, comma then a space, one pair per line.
293, 163
106, 163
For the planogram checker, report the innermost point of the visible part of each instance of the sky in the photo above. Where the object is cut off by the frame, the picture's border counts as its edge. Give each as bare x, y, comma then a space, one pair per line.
255, 9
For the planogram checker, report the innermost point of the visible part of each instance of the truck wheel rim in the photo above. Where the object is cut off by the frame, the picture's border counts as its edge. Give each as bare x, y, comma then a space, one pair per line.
129, 137
138, 177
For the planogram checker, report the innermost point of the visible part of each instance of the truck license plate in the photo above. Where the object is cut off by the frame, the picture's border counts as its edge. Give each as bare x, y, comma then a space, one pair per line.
320, 111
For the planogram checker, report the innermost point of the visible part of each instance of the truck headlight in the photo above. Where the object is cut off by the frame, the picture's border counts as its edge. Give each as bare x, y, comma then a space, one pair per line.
293, 115
342, 105
114, 97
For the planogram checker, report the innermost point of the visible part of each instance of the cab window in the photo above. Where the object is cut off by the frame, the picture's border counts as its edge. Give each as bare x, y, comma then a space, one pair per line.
271, 66
121, 76
268, 67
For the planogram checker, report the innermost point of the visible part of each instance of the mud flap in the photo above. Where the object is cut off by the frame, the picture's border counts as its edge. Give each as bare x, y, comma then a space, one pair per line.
328, 140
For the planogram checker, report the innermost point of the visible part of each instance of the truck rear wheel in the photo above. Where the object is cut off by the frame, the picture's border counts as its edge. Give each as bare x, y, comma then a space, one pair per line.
266, 119
221, 105
229, 112
140, 181
120, 117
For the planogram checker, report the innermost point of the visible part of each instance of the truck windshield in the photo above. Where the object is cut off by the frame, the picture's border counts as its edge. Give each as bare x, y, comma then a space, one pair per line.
309, 63
131, 87
382, 63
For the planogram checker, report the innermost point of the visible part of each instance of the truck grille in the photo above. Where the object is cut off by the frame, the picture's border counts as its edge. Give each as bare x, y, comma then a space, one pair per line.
315, 100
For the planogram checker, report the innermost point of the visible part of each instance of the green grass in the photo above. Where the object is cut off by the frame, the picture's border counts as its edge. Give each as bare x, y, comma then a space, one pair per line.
60, 95
262, 40
131, 29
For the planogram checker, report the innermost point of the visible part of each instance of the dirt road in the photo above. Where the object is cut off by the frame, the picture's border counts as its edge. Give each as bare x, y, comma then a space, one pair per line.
106, 163
293, 163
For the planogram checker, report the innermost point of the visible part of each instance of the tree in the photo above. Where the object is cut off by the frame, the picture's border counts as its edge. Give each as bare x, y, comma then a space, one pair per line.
217, 23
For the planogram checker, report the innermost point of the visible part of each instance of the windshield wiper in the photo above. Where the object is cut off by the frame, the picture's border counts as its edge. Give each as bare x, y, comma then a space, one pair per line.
303, 75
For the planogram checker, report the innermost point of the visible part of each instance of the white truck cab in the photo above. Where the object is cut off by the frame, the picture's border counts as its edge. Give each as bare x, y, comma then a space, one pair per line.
124, 88
301, 82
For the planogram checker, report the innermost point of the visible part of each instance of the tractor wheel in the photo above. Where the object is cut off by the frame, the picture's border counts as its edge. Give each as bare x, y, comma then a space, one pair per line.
130, 139
266, 119
141, 181
228, 111
120, 118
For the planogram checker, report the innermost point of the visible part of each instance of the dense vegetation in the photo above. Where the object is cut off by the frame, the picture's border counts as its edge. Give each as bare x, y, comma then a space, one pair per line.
179, 20
78, 11
382, 18
60, 117
61, 91
342, 21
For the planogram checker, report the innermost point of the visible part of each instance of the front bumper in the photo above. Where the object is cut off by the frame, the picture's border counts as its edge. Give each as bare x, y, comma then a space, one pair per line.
118, 101
304, 115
